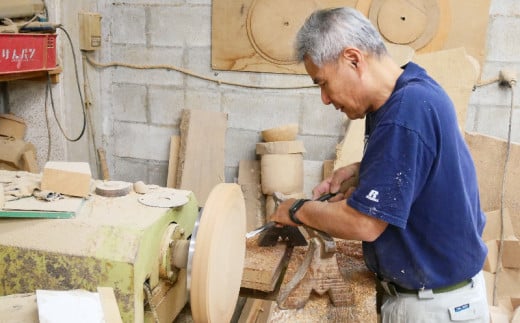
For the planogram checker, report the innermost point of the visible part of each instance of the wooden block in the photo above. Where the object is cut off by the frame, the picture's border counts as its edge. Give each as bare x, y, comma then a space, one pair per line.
109, 304
499, 315
70, 178
280, 147
515, 301
508, 282
20, 308
493, 224
173, 161
256, 311
249, 180
103, 164
249, 172
490, 264
202, 152
350, 150
29, 162
282, 173
442, 66
328, 168
262, 266
516, 316
253, 197
511, 253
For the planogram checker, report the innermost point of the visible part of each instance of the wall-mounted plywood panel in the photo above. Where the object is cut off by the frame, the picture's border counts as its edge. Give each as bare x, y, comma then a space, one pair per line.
258, 35
431, 25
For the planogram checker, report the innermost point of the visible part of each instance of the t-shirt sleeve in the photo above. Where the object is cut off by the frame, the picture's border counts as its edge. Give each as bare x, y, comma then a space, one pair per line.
393, 170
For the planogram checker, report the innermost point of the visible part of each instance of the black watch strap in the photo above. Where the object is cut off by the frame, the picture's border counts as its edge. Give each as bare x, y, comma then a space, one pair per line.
294, 208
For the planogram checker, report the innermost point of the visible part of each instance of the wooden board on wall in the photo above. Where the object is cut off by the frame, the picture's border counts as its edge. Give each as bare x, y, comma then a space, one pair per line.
201, 153
258, 35
457, 23
453, 69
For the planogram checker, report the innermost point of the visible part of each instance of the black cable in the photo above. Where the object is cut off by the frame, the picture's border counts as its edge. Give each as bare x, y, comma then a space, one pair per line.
79, 91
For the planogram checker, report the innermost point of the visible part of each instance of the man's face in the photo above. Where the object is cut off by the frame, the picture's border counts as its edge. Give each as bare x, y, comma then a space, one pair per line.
340, 84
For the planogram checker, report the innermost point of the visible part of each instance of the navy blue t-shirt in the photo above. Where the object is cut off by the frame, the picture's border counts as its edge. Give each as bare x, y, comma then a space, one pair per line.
417, 174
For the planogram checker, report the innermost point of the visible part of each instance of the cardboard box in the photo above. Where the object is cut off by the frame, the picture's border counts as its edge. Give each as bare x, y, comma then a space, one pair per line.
70, 178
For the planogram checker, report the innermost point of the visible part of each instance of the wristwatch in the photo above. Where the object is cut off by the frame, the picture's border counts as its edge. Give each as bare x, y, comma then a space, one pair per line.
294, 208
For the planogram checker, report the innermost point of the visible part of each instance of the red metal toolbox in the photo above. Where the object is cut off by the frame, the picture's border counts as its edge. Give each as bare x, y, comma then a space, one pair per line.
27, 52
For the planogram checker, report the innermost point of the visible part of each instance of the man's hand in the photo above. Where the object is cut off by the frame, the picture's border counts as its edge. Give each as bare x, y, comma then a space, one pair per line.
343, 182
281, 214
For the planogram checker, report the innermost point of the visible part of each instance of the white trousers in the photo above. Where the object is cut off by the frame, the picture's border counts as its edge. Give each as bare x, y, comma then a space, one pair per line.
466, 304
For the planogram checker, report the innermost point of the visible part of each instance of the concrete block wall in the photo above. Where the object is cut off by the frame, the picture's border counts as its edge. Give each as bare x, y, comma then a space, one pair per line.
147, 104
489, 108
136, 111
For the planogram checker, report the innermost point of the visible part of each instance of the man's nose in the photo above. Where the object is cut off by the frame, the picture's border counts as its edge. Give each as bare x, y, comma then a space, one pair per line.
325, 98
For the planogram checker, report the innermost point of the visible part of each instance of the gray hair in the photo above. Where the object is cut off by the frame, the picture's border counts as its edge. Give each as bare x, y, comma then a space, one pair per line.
327, 32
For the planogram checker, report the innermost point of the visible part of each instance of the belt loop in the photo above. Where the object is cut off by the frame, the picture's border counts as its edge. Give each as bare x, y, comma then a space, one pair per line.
389, 288
425, 294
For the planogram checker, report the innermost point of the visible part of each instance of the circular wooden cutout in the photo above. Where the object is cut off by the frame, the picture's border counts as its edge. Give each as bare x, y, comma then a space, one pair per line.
164, 197
273, 24
412, 23
218, 258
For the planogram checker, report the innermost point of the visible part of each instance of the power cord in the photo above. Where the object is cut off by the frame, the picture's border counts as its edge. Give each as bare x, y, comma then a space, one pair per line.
193, 74
506, 78
79, 91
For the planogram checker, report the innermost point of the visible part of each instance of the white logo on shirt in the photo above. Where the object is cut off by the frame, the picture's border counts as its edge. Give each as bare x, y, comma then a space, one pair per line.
372, 196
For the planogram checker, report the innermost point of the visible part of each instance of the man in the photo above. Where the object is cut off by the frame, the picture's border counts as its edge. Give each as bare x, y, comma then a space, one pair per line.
416, 207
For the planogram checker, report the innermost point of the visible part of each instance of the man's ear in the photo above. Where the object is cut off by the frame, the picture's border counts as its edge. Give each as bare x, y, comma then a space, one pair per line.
352, 56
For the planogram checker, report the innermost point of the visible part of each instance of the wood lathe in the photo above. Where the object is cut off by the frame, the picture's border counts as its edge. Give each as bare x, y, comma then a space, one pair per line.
155, 258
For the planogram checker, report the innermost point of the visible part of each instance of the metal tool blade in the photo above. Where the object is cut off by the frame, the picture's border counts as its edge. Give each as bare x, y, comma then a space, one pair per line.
264, 227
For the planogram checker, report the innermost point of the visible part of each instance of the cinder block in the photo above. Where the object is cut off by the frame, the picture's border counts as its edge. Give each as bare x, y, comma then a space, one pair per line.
129, 102
128, 25
165, 105
180, 26
136, 140
70, 178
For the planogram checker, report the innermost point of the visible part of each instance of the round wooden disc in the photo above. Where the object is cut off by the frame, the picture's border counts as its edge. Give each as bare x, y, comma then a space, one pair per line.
272, 26
113, 188
218, 259
405, 22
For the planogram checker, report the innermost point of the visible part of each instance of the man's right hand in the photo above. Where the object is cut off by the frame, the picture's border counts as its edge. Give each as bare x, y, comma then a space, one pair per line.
343, 181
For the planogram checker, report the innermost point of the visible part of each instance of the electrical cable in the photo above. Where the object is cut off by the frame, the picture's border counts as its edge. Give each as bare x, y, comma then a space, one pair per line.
502, 196
193, 74
79, 91
49, 140
509, 81
86, 86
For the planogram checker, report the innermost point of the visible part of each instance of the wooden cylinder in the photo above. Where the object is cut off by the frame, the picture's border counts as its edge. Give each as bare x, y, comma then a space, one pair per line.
282, 173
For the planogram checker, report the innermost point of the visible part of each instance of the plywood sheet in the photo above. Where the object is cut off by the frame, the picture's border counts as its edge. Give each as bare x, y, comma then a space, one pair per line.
202, 152
20, 308
258, 35
458, 23
249, 180
456, 74
489, 154
350, 150
173, 161
242, 30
